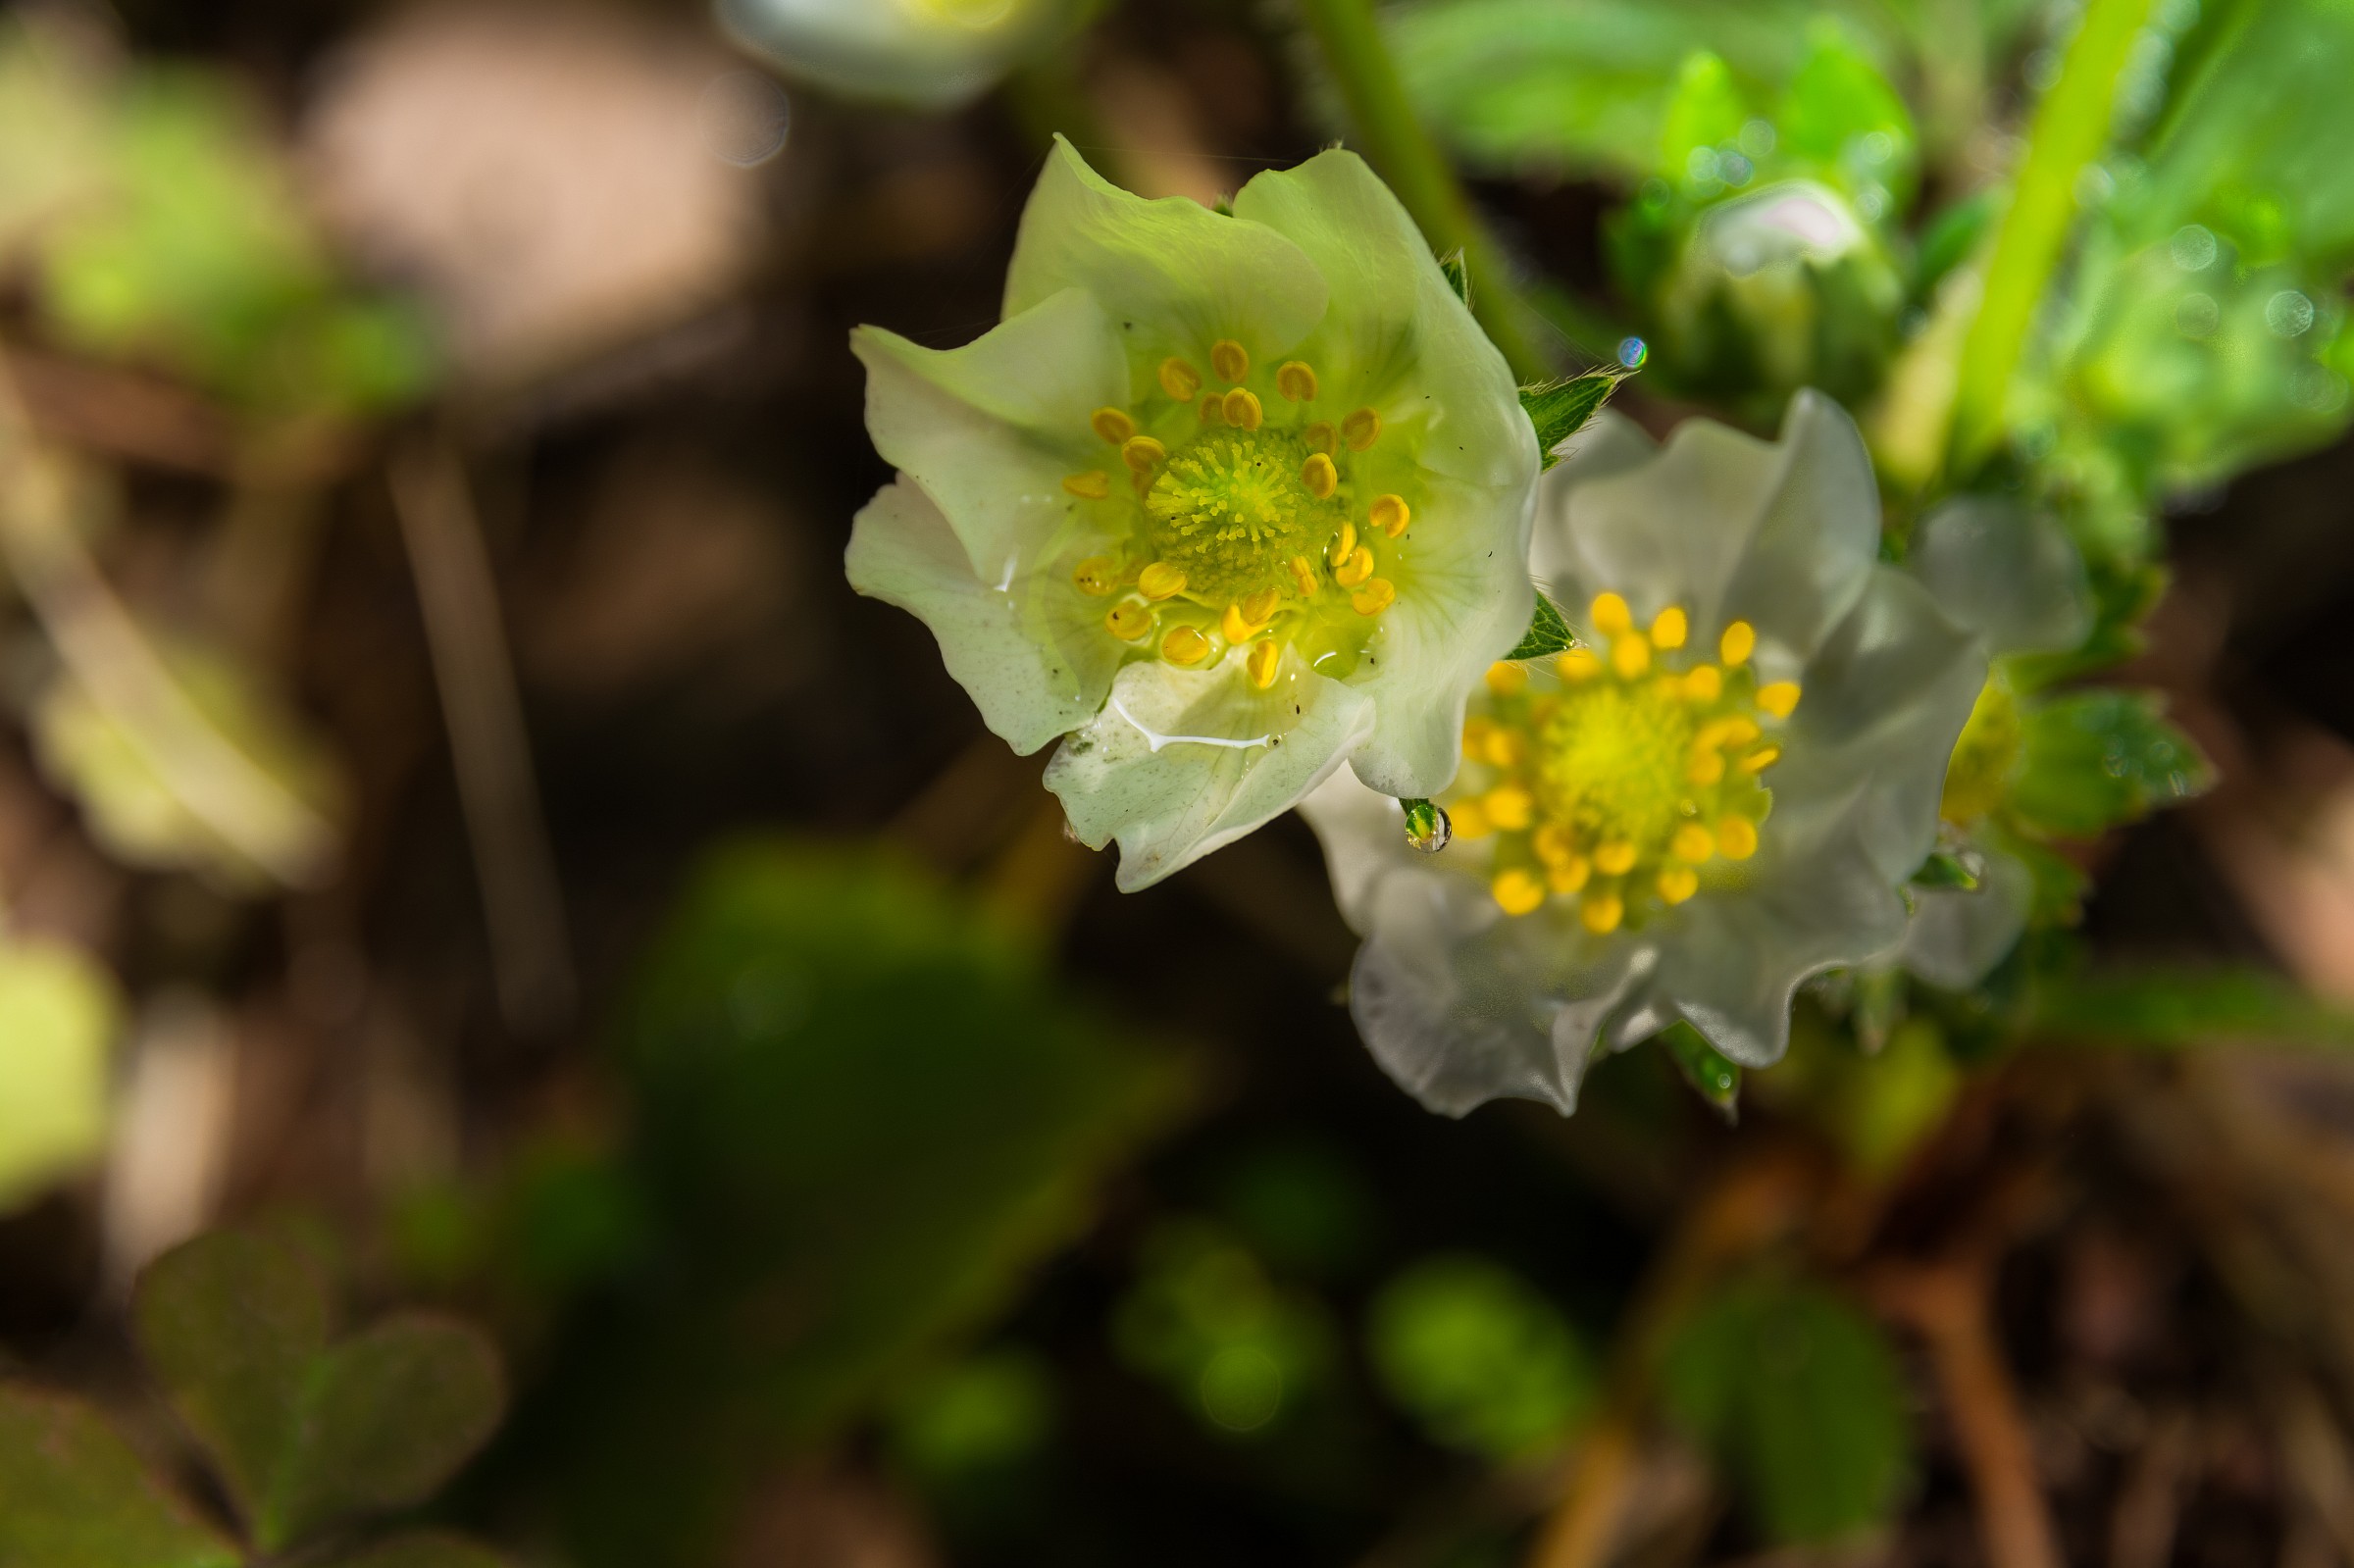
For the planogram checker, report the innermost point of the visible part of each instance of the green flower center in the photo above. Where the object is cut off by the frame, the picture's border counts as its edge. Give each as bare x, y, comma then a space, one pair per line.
1609, 761
1230, 509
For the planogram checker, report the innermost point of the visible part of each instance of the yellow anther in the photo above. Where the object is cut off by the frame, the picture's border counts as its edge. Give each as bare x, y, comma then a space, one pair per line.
1670, 627
1345, 546
1469, 820
1506, 678
1517, 892
1391, 515
1160, 580
1704, 684
1779, 698
1184, 645
1570, 873
1631, 655
1736, 838
1705, 767
1677, 883
1233, 626
1259, 608
1214, 409
1319, 475
1510, 807
1098, 575
1355, 570
1554, 846
1505, 748
1614, 859
1297, 381
1141, 453
1578, 664
1691, 842
1229, 359
1374, 597
1264, 660
1092, 485
1320, 437
1128, 620
1732, 731
1601, 913
1303, 577
1739, 641
1610, 615
1178, 380
1761, 759
1113, 425
1476, 732
1362, 429
1242, 410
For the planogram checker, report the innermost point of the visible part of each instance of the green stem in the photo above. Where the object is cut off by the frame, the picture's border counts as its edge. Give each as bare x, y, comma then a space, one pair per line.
1402, 149
2070, 129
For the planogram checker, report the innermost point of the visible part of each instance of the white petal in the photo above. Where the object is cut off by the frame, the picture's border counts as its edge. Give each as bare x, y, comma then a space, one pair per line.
2008, 574
1033, 652
1958, 937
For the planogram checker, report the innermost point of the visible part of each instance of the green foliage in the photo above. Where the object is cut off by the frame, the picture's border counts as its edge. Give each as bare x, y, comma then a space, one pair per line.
1205, 1320
1548, 633
1480, 1358
975, 1416
423, 1550
1712, 1077
1562, 409
2175, 1009
308, 1433
58, 1015
2092, 760
1799, 1398
74, 1495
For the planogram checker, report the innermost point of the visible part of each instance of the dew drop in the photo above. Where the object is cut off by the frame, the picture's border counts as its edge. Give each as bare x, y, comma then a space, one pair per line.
1428, 827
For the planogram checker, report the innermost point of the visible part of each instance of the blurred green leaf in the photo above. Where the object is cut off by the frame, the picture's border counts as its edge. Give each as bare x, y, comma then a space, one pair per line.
1231, 1343
1560, 410
1712, 1077
975, 1416
2095, 759
2174, 1009
423, 1550
1800, 1397
59, 1013
74, 1495
1482, 1359
1547, 634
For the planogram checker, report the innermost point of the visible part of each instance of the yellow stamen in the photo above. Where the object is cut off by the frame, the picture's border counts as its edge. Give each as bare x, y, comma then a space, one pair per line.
1092, 485
1391, 515
1263, 660
1739, 641
1518, 893
1362, 429
1691, 842
1510, 807
1098, 575
1320, 437
1357, 568
1229, 359
1614, 859
1476, 732
1670, 627
1601, 913
1374, 597
1160, 580
1578, 664
1469, 820
1185, 645
1233, 626
1345, 546
1503, 748
1553, 845
1259, 608
1677, 883
1733, 732
1113, 425
1214, 409
1704, 684
1736, 838
1303, 577
1778, 698
1506, 678
1128, 621
1178, 380
1568, 874
1610, 615
1142, 452
1242, 410
1631, 655
1297, 381
1319, 475
1761, 759
1705, 768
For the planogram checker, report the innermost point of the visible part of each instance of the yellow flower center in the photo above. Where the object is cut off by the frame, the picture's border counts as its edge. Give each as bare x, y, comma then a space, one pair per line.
1244, 521
1626, 777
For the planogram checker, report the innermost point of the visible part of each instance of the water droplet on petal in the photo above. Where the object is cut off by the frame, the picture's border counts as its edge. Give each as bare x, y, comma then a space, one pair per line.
1427, 827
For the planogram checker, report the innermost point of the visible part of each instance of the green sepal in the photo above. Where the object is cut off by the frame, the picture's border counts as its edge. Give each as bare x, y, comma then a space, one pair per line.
1942, 869
1559, 409
1459, 276
1712, 1077
2094, 760
1547, 634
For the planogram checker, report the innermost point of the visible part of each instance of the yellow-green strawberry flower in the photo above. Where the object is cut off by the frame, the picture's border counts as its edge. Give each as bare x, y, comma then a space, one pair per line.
1719, 793
1227, 499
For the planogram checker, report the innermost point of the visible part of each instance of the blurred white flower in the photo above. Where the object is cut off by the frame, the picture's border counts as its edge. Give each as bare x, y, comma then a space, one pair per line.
927, 54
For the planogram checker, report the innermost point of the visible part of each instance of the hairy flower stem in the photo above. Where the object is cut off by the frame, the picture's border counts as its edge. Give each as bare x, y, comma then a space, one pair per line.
1398, 145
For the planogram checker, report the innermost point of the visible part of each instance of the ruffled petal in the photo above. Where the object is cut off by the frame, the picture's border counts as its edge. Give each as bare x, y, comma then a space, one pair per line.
1031, 654
1958, 937
1181, 762
2008, 574
992, 428
1172, 275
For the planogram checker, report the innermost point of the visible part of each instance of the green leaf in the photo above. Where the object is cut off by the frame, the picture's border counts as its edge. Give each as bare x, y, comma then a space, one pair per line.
1480, 1358
425, 1549
1799, 1398
1942, 869
74, 1495
1560, 409
1547, 634
58, 1014
2095, 759
2175, 1009
1712, 1077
